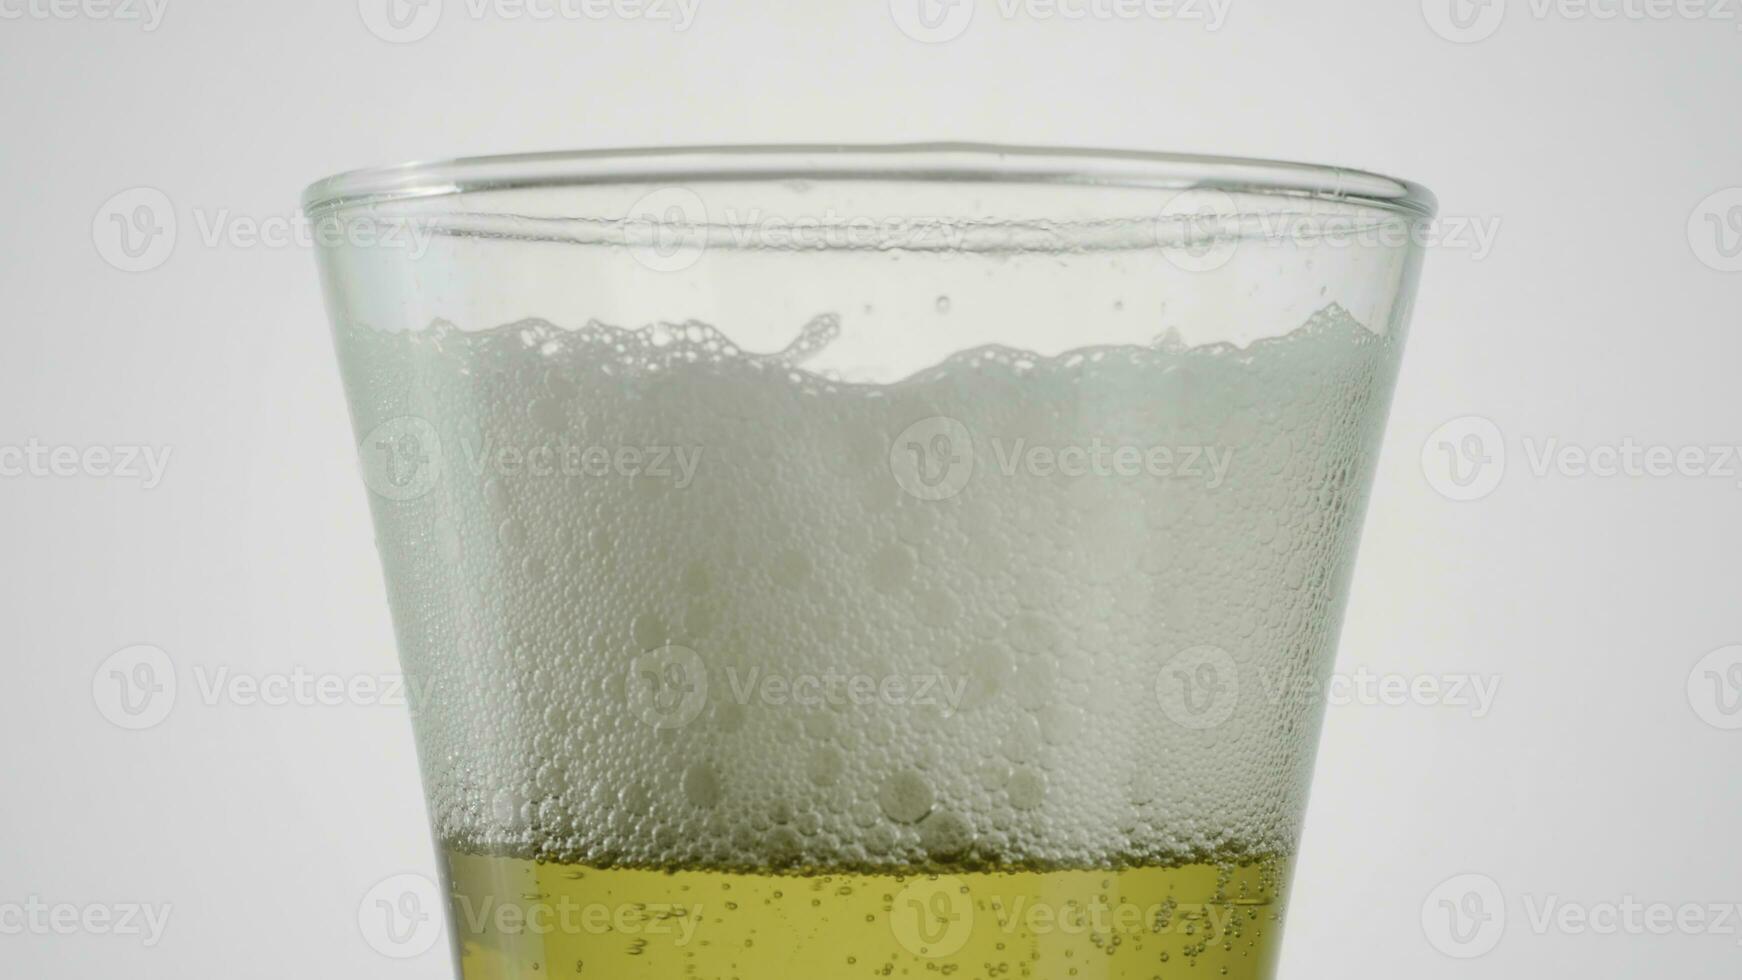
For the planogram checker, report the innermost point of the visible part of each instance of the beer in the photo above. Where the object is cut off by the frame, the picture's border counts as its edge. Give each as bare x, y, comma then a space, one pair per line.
732, 667
519, 919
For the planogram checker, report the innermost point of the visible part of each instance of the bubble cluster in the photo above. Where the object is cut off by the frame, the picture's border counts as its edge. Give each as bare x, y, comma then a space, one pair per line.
674, 604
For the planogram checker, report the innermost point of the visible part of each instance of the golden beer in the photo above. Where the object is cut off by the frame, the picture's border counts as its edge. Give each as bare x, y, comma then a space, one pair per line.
521, 920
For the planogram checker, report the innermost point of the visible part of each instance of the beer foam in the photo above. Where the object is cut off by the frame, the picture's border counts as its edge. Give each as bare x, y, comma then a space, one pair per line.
672, 603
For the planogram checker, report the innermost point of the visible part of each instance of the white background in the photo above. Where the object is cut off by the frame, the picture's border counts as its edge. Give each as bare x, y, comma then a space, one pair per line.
1601, 313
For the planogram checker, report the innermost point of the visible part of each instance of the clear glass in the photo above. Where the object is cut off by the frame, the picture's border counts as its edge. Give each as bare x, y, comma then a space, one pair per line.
828, 560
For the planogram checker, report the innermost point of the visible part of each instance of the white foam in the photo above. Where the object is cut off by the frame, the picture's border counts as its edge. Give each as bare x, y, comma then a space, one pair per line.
600, 645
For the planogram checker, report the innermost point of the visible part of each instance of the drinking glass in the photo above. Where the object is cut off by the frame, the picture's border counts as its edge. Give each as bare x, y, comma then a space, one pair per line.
834, 561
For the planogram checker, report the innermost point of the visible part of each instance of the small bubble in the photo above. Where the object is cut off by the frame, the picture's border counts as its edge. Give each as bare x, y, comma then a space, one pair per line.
906, 797
945, 835
701, 786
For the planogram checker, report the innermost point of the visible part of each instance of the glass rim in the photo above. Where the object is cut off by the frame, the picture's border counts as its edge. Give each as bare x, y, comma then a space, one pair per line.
936, 163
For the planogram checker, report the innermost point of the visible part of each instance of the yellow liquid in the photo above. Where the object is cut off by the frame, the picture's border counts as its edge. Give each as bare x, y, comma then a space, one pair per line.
521, 920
